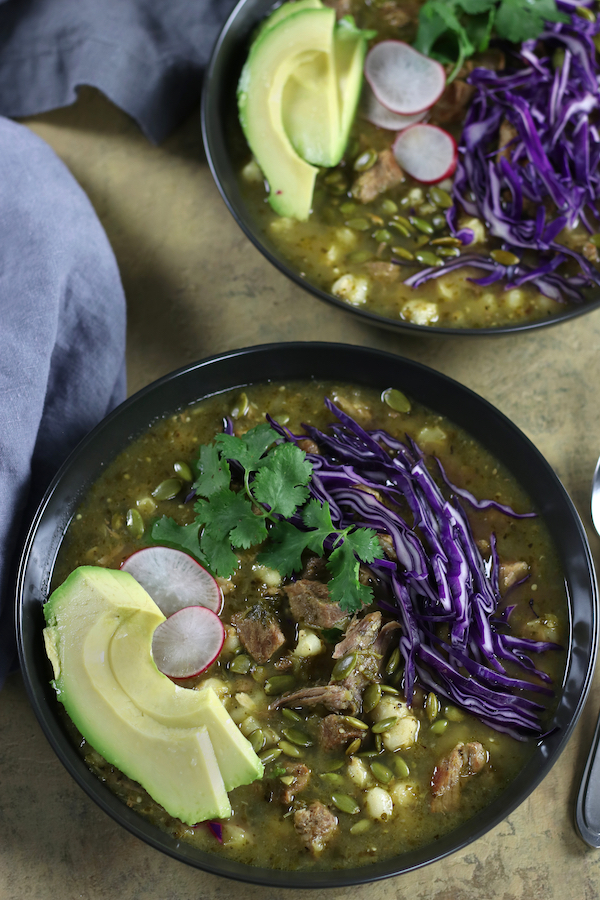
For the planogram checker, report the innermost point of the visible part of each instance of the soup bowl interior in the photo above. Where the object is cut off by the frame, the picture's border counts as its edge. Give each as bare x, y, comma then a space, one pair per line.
224, 145
289, 362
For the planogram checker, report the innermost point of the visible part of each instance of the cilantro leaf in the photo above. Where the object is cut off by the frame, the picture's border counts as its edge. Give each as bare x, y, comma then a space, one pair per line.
284, 549
317, 517
520, 21
214, 474
248, 449
223, 560
182, 537
363, 543
281, 482
229, 515
344, 587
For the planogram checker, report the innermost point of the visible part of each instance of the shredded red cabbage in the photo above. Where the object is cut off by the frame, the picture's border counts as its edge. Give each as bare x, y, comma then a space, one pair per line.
547, 178
440, 576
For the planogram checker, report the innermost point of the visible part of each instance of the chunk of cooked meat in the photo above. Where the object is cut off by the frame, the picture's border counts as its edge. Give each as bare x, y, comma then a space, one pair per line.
385, 637
335, 697
452, 105
300, 777
335, 731
309, 446
385, 174
309, 602
463, 761
315, 826
361, 634
510, 573
259, 632
315, 569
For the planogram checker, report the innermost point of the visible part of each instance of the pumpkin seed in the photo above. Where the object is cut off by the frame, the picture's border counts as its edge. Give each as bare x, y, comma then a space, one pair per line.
440, 197
345, 804
395, 399
382, 236
347, 208
403, 253
240, 664
371, 697
358, 224
335, 765
291, 714
505, 257
388, 207
381, 772
183, 471
333, 177
447, 251
421, 240
394, 660
378, 743
400, 767
439, 726
289, 749
343, 667
333, 779
258, 740
167, 490
585, 13
385, 724
453, 714
279, 684
398, 226
353, 747
595, 239
432, 706
388, 689
422, 225
402, 220
360, 827
296, 736
427, 258
267, 756
287, 780
360, 256
146, 505
135, 523
365, 161
259, 674
368, 754
450, 241
438, 222
356, 723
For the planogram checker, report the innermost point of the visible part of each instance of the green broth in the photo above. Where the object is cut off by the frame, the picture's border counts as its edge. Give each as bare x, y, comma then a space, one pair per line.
261, 832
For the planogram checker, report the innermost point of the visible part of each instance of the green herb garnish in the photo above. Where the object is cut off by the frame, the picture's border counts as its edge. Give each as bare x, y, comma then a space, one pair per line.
452, 30
255, 509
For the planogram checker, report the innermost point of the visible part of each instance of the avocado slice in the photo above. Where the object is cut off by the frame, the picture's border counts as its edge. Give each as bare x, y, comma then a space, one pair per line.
98, 637
273, 58
288, 9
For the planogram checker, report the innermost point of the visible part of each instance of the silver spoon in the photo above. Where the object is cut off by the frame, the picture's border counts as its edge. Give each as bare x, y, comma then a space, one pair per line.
587, 811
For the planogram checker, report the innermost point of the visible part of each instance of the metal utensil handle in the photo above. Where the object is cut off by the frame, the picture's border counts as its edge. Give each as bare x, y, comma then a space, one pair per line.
587, 811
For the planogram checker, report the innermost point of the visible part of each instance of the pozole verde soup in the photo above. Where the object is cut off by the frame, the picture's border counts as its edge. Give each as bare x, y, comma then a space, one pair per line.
352, 773
510, 236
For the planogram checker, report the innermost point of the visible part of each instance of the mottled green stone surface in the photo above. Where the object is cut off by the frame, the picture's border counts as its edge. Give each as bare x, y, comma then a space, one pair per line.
196, 286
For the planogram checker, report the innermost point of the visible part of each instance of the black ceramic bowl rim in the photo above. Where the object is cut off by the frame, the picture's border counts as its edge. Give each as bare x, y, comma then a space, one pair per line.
287, 362
219, 94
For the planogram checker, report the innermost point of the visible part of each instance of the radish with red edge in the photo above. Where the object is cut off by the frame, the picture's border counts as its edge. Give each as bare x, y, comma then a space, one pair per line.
376, 113
188, 642
173, 579
402, 79
426, 153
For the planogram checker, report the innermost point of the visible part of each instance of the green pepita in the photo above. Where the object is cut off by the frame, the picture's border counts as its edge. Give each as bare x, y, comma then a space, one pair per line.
388, 207
353, 747
345, 804
183, 471
167, 490
290, 714
595, 239
279, 684
432, 706
358, 224
403, 253
585, 13
267, 756
371, 697
438, 222
399, 227
360, 827
146, 505
360, 256
384, 724
453, 714
335, 765
289, 749
381, 772
382, 236
447, 251
347, 208
427, 258
422, 224
449, 241
368, 754
505, 257
439, 726
343, 667
356, 723
401, 767
296, 736
421, 240
389, 689
365, 161
333, 779
241, 406
440, 197
135, 523
378, 743
394, 660
257, 740
333, 177
240, 664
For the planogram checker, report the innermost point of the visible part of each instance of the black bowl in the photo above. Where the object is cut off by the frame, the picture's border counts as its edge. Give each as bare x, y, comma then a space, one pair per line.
287, 362
222, 133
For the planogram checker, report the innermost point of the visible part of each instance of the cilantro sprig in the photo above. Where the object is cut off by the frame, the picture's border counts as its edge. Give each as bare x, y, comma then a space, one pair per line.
248, 489
452, 30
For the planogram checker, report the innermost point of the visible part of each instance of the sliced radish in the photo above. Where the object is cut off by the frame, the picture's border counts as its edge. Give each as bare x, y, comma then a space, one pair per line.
173, 579
380, 115
426, 153
402, 79
188, 642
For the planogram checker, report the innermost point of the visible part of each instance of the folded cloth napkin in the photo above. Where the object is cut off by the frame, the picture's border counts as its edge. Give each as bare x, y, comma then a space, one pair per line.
62, 333
147, 56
